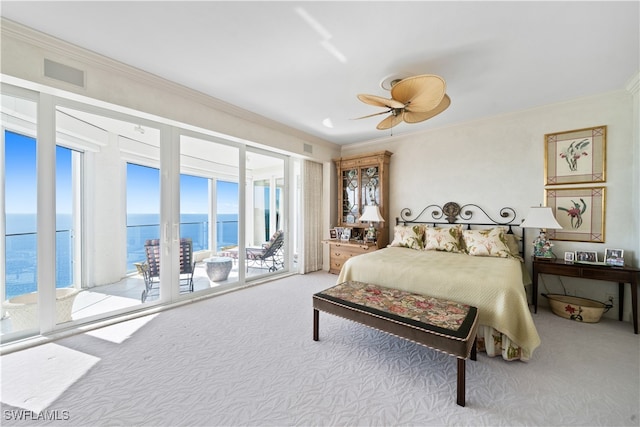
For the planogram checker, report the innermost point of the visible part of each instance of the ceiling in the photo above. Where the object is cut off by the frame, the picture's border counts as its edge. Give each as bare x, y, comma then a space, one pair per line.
300, 63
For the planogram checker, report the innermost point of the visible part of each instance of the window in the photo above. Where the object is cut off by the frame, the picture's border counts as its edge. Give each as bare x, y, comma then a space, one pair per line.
266, 214
226, 214
143, 211
194, 210
20, 201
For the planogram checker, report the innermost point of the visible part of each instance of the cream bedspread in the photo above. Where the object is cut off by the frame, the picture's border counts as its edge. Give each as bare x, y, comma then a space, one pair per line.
493, 285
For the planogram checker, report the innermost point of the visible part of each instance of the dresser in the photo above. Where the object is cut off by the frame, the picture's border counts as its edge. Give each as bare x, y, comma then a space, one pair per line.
341, 251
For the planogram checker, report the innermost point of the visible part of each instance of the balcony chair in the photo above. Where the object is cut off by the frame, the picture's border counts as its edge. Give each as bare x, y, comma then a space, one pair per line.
150, 270
269, 255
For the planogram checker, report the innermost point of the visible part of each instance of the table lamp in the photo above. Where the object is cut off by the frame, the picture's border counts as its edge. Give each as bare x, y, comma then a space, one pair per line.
541, 217
371, 214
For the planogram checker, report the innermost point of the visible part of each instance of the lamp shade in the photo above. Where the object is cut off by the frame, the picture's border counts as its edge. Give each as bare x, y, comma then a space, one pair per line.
541, 217
371, 214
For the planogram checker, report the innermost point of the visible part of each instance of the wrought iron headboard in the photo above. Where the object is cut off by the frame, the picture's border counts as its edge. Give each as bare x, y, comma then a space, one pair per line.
453, 213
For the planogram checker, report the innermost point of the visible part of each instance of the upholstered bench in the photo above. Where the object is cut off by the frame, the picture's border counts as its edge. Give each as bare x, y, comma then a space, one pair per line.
439, 324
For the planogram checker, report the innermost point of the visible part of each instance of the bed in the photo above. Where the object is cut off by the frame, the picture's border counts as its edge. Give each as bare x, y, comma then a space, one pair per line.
442, 253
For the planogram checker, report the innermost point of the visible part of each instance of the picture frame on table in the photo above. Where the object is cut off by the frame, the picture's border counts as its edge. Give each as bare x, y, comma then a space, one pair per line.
333, 233
575, 156
580, 211
346, 234
614, 257
569, 256
586, 256
339, 231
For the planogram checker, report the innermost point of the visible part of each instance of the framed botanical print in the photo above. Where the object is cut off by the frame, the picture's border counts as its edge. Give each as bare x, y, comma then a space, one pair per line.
575, 156
580, 211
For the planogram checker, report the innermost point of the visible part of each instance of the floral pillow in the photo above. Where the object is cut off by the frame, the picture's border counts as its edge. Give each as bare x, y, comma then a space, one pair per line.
490, 242
408, 236
444, 239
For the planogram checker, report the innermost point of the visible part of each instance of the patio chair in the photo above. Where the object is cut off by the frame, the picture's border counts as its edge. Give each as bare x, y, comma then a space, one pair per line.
151, 269
270, 255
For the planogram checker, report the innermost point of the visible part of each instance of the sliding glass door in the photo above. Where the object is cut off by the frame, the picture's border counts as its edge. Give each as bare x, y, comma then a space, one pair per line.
20, 310
126, 212
209, 174
266, 214
68, 230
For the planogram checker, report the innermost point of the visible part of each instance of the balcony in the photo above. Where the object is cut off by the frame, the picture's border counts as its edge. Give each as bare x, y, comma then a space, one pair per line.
111, 297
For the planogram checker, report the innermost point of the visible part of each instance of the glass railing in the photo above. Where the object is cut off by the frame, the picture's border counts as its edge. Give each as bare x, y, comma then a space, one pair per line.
137, 235
21, 254
22, 261
198, 232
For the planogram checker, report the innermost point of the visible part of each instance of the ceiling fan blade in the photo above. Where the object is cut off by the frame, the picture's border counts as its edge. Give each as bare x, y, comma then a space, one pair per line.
372, 115
417, 116
379, 101
421, 93
390, 121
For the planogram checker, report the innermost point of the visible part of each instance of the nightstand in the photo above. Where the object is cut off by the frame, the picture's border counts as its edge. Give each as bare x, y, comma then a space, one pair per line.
606, 273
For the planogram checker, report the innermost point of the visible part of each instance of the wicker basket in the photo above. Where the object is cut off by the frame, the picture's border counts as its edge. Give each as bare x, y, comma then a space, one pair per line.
576, 308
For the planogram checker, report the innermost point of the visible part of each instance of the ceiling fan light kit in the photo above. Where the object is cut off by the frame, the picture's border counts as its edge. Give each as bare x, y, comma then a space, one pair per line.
413, 99
388, 82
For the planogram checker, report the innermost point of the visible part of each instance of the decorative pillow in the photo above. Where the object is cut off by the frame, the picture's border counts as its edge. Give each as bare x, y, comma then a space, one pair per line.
513, 243
408, 236
490, 242
444, 239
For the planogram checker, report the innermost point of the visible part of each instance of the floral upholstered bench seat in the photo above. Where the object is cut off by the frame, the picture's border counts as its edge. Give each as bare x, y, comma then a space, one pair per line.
443, 325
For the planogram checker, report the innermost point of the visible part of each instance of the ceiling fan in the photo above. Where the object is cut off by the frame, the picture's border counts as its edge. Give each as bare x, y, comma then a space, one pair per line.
413, 99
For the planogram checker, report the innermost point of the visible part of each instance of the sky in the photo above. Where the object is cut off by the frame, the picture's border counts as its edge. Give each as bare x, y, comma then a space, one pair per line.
20, 179
143, 184
143, 192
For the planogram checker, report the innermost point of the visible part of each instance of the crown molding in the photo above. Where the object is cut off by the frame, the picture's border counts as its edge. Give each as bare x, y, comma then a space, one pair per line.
48, 43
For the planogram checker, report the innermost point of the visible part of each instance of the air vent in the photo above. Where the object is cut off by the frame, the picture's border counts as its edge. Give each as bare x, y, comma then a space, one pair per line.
64, 73
308, 148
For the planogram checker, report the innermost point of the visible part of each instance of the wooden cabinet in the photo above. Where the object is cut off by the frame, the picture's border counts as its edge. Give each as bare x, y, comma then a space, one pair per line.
340, 252
362, 180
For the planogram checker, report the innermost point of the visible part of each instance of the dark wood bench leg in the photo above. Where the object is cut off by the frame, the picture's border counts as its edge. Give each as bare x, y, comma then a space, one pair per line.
461, 382
316, 318
474, 350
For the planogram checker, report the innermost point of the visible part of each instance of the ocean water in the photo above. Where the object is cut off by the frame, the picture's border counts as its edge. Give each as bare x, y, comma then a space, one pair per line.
21, 244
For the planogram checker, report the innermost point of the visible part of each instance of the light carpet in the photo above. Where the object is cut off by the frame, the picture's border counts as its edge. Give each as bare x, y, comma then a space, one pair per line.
247, 358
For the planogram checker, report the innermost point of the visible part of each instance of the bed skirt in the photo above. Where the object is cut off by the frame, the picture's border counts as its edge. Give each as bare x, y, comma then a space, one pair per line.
495, 343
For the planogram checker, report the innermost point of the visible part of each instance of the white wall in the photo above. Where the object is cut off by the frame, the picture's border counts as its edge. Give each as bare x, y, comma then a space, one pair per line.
499, 162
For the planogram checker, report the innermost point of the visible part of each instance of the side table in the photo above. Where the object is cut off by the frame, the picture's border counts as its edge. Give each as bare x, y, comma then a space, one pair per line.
607, 273
218, 268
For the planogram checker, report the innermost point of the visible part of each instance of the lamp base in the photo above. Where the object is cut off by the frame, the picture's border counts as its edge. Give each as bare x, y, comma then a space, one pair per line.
371, 234
542, 247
